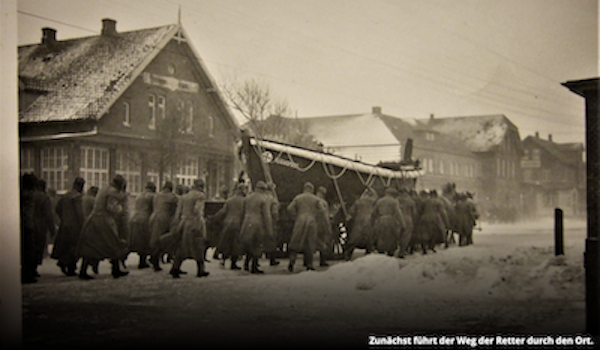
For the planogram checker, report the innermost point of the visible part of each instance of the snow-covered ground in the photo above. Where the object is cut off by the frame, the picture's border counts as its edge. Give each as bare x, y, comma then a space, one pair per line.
508, 282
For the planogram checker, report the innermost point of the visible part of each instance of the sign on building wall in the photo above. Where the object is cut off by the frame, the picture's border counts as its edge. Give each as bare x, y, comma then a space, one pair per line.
170, 83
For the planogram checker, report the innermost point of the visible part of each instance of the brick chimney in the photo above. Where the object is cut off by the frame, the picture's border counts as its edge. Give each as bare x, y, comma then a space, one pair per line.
431, 116
48, 36
537, 135
376, 110
109, 27
550, 137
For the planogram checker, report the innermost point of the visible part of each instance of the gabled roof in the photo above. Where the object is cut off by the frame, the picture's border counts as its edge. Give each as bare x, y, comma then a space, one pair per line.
566, 153
80, 77
480, 133
404, 129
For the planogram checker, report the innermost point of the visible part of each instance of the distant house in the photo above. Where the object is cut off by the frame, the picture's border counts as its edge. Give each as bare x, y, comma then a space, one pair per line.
364, 137
496, 142
379, 138
553, 176
138, 103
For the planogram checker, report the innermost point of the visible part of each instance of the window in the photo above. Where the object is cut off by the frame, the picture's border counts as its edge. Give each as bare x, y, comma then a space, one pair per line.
162, 107
190, 119
429, 136
152, 175
128, 165
441, 166
152, 111
55, 163
94, 166
535, 154
211, 126
431, 166
187, 171
126, 114
27, 161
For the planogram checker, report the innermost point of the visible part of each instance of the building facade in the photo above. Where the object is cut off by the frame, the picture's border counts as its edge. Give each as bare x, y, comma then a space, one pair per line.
553, 177
139, 104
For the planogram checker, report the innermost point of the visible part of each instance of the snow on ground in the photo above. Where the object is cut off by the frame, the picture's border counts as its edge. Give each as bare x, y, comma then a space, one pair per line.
508, 282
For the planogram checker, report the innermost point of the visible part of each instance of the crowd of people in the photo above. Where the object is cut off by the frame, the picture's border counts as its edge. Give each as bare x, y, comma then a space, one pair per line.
172, 224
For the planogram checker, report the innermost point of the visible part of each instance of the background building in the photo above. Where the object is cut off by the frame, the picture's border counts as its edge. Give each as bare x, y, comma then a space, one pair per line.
138, 103
553, 176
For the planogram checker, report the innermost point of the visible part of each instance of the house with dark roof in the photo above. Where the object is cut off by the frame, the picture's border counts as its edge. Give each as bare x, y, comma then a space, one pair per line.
553, 176
139, 103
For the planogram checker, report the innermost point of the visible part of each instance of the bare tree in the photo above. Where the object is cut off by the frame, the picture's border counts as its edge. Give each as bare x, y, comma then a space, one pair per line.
170, 150
266, 116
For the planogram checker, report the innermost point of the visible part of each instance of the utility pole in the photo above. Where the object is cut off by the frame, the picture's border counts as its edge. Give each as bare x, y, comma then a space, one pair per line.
588, 89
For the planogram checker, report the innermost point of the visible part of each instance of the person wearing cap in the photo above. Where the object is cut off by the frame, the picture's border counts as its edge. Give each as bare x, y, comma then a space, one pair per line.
70, 211
272, 242
430, 228
100, 238
388, 222
87, 201
409, 212
256, 226
307, 209
164, 205
139, 225
193, 230
231, 214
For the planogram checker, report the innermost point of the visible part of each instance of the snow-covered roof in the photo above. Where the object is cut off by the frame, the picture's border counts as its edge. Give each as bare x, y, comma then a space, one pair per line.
480, 133
79, 78
569, 154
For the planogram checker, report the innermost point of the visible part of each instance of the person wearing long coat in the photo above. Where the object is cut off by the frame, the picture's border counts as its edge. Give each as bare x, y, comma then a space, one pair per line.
257, 225
100, 238
44, 221
361, 230
272, 242
139, 225
409, 212
307, 209
193, 230
70, 211
388, 222
231, 215
28, 229
466, 219
164, 206
431, 226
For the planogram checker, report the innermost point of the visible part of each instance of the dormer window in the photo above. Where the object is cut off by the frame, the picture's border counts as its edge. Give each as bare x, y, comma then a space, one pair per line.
429, 136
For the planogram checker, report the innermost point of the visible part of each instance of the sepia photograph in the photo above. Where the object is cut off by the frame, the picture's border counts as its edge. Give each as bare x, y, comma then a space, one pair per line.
270, 173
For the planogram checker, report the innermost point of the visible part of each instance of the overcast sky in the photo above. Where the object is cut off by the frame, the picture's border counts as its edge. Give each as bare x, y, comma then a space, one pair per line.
412, 58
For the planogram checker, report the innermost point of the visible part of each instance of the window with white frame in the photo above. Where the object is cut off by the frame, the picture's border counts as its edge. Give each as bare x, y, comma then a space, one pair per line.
126, 114
162, 107
152, 111
27, 160
55, 163
128, 165
187, 171
190, 118
94, 166
211, 126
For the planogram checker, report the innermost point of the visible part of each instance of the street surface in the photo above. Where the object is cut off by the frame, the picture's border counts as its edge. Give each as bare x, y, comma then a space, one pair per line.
509, 282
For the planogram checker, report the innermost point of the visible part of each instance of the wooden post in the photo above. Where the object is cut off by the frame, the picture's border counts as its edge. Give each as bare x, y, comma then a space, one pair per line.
558, 232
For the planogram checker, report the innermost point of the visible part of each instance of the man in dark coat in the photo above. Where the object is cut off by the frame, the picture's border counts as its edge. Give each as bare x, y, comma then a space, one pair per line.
231, 214
272, 242
139, 227
164, 205
100, 238
256, 226
193, 230
28, 229
70, 212
409, 212
431, 226
44, 221
307, 209
466, 218
361, 231
388, 222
